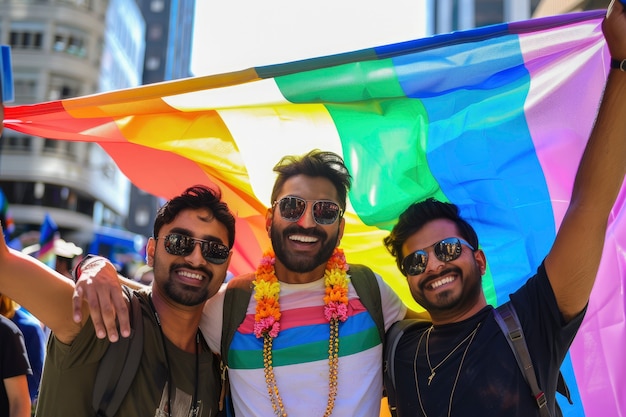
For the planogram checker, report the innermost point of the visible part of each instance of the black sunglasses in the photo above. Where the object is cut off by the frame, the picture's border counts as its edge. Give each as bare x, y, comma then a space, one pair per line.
325, 212
445, 250
181, 245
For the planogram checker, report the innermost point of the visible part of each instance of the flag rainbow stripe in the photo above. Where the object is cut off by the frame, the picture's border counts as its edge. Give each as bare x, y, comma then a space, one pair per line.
493, 119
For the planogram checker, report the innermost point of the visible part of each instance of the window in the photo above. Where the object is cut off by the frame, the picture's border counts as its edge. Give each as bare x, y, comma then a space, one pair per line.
71, 41
63, 87
16, 141
86, 4
157, 6
155, 32
153, 63
25, 90
26, 34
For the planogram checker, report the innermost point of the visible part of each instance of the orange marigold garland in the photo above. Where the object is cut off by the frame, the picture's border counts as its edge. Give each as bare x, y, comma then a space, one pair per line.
267, 319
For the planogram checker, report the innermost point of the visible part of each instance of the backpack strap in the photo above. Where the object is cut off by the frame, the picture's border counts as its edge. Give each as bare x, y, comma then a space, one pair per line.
394, 334
119, 364
236, 300
507, 319
366, 286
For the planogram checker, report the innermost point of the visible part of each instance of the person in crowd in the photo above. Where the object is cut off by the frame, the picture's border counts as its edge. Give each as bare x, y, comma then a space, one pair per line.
462, 365
34, 339
144, 275
66, 253
306, 336
178, 374
14, 367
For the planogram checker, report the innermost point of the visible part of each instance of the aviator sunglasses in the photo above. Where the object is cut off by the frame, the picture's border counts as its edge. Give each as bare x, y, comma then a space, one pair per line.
181, 245
325, 212
445, 250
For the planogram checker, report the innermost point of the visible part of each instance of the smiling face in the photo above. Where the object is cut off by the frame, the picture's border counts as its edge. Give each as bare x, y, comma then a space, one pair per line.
188, 280
304, 246
449, 291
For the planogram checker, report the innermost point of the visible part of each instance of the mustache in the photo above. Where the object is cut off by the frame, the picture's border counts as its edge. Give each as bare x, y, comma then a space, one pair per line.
204, 271
297, 230
426, 281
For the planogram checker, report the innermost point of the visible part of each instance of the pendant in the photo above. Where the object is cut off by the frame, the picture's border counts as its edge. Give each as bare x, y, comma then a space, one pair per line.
430, 378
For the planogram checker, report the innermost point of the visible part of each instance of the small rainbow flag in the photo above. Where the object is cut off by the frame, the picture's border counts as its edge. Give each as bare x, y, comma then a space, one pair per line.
49, 232
8, 225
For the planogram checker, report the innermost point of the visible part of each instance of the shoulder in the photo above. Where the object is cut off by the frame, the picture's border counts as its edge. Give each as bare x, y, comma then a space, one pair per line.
8, 327
241, 282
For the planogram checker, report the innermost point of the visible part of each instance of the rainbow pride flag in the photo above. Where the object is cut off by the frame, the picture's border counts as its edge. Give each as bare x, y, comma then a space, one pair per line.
49, 232
493, 119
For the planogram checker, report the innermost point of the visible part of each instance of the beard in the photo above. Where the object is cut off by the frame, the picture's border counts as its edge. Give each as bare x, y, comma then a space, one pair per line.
446, 301
184, 294
299, 263
179, 293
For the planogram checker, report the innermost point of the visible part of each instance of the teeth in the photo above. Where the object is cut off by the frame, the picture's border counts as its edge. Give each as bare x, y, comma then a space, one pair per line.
191, 275
305, 239
441, 282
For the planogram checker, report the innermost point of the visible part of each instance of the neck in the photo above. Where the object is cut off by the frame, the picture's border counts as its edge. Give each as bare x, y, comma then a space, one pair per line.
290, 277
179, 325
455, 316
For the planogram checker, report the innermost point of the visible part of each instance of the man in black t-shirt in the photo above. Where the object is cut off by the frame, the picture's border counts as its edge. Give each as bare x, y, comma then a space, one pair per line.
14, 366
462, 365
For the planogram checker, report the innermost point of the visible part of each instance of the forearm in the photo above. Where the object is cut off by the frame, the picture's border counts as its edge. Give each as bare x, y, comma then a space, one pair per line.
41, 290
17, 394
20, 409
602, 168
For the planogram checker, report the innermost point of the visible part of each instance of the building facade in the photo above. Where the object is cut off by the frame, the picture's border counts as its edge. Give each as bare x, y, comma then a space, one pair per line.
62, 49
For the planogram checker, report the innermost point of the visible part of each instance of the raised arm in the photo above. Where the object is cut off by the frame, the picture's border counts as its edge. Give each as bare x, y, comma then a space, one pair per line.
41, 290
573, 261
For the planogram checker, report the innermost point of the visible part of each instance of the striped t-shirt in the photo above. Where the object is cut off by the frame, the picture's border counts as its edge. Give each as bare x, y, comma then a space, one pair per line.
300, 354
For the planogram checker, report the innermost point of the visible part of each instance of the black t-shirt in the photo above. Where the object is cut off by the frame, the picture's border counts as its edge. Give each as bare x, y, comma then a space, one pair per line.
13, 358
481, 377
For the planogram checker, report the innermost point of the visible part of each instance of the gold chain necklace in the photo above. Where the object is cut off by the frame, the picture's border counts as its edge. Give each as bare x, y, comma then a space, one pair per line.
458, 372
432, 370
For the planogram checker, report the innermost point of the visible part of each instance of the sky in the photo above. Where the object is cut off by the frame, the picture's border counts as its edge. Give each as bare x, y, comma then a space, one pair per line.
232, 35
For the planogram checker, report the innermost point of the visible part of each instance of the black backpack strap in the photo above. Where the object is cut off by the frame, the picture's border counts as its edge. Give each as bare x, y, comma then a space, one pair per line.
394, 334
236, 300
366, 286
507, 319
119, 364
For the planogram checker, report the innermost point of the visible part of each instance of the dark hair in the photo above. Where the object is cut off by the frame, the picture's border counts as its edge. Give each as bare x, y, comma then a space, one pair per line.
316, 163
197, 197
416, 216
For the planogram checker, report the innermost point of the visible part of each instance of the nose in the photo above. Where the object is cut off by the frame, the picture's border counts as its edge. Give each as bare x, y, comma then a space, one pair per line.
433, 263
195, 257
306, 220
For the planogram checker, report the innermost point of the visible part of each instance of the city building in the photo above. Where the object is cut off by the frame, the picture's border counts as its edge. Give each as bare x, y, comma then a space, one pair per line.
444, 16
62, 49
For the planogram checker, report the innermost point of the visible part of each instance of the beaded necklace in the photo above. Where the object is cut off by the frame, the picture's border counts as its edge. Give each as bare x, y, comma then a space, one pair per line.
267, 319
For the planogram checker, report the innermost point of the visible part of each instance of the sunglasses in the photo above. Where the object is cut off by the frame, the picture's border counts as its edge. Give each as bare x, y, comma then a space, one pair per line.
181, 245
445, 250
325, 212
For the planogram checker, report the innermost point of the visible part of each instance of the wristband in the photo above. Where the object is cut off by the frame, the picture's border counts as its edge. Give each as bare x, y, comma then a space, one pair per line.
618, 64
77, 269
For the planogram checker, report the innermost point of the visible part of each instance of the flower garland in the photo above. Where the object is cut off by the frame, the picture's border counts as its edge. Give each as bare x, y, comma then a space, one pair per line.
267, 319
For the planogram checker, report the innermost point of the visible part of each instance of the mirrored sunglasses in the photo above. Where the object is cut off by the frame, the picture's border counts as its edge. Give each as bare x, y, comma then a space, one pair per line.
181, 245
325, 212
445, 250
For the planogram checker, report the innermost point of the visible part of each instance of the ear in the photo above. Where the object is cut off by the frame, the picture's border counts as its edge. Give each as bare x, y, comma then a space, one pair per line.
268, 220
150, 249
481, 260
